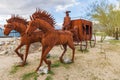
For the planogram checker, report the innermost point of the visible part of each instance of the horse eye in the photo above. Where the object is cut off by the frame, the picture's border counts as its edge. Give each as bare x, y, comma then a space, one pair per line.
4, 26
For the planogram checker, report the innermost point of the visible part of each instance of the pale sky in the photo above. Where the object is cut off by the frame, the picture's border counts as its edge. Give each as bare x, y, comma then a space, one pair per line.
57, 8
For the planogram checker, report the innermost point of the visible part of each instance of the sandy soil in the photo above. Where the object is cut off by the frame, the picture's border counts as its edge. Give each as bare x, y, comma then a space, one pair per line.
96, 64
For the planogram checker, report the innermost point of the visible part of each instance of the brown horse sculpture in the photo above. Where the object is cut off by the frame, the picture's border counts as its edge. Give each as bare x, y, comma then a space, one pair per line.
18, 24
51, 38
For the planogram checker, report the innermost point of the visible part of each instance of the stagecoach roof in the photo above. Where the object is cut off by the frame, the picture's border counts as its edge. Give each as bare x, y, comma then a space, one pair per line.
81, 20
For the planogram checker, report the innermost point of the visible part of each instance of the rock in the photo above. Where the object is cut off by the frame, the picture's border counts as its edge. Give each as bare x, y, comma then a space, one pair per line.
67, 60
7, 43
43, 70
3, 52
2, 43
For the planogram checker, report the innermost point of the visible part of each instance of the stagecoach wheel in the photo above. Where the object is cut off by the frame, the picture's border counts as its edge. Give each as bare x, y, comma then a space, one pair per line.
93, 41
83, 45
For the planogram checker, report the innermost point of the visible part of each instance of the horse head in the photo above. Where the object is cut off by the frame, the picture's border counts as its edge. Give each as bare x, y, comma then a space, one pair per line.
40, 24
8, 28
15, 23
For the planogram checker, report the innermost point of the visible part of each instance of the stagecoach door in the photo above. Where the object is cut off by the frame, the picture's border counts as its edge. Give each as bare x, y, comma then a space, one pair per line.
87, 30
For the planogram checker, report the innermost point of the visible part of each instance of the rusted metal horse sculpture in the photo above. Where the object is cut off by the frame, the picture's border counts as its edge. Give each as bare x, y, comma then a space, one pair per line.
51, 38
20, 25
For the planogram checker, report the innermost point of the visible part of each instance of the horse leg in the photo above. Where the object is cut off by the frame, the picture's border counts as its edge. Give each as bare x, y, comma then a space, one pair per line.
48, 62
41, 61
16, 50
61, 47
61, 57
26, 54
43, 57
71, 45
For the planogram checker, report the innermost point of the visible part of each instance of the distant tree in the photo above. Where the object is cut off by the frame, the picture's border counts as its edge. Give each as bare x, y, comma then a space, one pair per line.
106, 14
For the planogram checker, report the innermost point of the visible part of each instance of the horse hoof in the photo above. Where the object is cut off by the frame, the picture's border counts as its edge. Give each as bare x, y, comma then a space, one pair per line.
21, 56
72, 60
22, 64
68, 61
37, 70
61, 60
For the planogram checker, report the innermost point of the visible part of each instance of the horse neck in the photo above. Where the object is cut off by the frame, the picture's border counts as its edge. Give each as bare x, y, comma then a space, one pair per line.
45, 26
19, 27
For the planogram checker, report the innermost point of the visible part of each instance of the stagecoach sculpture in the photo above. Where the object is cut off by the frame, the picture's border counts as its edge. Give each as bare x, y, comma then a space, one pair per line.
81, 29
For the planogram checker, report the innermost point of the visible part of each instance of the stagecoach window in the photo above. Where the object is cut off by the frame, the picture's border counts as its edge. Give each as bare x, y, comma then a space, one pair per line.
83, 28
87, 29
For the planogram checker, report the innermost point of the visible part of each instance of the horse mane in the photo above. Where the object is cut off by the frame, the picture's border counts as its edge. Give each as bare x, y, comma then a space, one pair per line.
44, 15
17, 19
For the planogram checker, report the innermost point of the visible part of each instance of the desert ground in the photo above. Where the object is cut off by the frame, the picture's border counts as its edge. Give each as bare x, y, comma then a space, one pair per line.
99, 63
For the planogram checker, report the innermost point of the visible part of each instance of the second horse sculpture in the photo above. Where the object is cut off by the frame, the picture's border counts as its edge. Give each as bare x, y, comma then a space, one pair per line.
51, 38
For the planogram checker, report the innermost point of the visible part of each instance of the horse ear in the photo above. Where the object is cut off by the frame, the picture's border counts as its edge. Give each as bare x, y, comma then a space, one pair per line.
36, 9
31, 18
6, 20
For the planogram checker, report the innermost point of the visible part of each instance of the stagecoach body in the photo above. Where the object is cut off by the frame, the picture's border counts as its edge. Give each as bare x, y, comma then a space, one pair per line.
84, 31
84, 28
